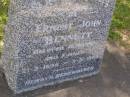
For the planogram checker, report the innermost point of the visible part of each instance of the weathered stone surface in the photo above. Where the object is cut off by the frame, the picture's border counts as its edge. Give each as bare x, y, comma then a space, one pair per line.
51, 41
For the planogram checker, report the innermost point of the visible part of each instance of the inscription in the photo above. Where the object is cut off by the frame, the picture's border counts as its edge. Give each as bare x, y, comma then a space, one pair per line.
94, 23
45, 29
29, 82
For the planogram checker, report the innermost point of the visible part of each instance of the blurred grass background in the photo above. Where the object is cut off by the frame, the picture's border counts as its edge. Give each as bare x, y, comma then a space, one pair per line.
120, 27
3, 19
119, 31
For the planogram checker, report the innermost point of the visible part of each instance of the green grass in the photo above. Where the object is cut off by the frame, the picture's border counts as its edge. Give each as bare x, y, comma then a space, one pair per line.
3, 19
120, 20
3, 14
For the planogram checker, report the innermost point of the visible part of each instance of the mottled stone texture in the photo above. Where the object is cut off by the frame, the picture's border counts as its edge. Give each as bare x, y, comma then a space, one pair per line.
51, 41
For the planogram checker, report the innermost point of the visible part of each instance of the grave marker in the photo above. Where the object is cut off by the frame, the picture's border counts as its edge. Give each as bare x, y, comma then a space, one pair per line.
52, 41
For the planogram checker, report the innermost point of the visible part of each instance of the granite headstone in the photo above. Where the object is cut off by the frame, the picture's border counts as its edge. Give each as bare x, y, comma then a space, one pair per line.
51, 41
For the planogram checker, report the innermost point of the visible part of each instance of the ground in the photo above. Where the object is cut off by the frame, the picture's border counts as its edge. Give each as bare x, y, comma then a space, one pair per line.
112, 81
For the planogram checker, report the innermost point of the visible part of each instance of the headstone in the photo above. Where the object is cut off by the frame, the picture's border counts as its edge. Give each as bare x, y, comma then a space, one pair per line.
51, 41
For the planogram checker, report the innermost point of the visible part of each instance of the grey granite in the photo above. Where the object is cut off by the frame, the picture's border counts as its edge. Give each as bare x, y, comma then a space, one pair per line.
51, 41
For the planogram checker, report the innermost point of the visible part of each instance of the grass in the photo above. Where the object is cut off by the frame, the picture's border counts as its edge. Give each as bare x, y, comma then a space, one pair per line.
120, 26
3, 19
120, 22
